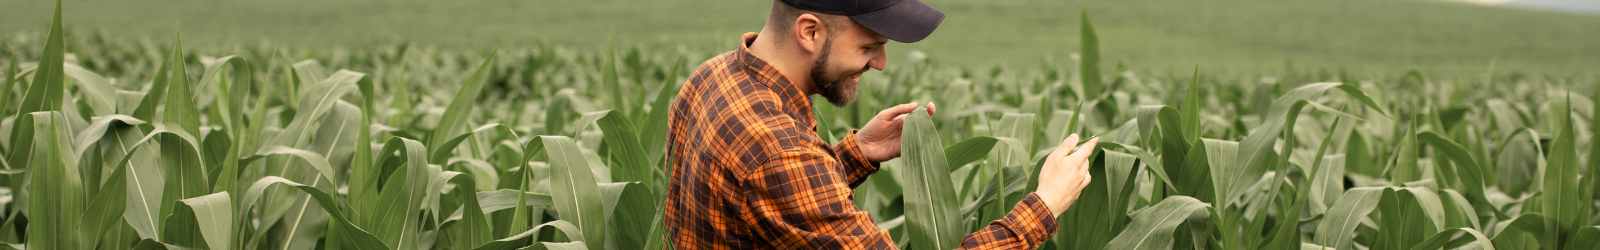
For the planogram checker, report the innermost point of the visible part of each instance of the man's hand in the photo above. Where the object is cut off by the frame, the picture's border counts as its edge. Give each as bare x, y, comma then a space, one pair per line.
880, 138
1065, 174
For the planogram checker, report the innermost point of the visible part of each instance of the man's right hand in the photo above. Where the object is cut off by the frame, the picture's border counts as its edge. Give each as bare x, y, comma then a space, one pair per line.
1065, 174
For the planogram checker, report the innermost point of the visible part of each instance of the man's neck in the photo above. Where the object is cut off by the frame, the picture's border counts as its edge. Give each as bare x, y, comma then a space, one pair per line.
784, 58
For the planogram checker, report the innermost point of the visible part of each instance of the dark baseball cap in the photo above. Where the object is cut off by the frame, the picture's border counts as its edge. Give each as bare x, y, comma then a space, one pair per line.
905, 21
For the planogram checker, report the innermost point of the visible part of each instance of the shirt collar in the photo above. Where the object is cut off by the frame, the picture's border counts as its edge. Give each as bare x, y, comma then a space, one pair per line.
795, 102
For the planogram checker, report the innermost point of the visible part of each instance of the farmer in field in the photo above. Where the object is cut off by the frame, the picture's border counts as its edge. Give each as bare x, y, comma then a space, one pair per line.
750, 172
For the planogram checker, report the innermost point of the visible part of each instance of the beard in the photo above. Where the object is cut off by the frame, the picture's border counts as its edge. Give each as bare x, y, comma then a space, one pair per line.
839, 89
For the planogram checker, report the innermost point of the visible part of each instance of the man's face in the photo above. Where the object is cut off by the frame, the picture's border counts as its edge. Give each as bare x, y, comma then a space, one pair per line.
846, 54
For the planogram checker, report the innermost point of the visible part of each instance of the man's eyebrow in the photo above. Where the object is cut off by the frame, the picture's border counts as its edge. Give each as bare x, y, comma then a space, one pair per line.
878, 43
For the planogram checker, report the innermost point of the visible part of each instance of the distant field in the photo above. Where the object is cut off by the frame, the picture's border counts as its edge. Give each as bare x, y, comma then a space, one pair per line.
330, 137
1158, 36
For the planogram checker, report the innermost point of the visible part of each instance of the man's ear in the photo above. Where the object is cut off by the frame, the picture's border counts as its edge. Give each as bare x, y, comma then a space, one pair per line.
809, 32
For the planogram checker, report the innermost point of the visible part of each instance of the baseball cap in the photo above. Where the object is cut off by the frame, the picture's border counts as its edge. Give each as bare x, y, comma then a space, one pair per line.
905, 21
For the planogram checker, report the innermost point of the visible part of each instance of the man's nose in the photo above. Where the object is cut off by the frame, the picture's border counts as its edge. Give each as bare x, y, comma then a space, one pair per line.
879, 60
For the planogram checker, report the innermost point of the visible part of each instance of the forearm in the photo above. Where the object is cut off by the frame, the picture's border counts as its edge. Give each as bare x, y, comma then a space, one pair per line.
1028, 226
856, 167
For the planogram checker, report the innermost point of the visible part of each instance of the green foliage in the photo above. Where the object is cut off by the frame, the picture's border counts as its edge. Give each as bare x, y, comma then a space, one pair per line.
522, 150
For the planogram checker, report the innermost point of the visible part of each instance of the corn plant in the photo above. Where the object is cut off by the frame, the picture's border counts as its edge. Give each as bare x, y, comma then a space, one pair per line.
133, 144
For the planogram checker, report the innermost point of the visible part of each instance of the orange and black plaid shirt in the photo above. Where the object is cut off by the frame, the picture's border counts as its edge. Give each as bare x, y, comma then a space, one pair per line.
750, 172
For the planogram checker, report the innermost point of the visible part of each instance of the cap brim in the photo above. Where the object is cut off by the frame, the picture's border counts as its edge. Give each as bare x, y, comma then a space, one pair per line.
908, 21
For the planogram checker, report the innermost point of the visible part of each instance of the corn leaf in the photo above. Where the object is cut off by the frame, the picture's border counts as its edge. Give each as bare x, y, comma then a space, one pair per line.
931, 209
456, 113
968, 151
202, 222
55, 198
574, 190
395, 221
1089, 68
1559, 197
1338, 227
1152, 227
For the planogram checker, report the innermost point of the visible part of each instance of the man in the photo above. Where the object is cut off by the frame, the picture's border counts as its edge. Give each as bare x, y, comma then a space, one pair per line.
750, 172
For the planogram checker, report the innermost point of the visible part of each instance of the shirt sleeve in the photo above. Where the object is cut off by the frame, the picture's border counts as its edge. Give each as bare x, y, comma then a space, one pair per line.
856, 166
1027, 227
800, 199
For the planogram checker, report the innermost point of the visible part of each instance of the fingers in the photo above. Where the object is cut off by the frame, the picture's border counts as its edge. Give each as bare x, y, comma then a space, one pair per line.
1067, 145
893, 113
931, 107
1081, 153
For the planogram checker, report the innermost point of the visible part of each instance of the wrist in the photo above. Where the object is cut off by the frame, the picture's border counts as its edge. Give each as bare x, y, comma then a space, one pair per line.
1056, 206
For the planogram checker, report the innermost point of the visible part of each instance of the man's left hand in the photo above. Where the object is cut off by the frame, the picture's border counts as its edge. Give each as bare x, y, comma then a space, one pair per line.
880, 138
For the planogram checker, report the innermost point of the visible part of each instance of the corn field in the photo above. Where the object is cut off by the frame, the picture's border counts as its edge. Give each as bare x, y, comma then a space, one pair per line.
119, 144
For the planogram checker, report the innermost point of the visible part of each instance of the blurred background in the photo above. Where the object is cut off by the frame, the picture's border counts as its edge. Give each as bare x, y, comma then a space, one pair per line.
1482, 105
1163, 37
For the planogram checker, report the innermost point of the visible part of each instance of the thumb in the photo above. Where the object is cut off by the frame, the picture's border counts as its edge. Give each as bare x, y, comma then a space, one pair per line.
896, 111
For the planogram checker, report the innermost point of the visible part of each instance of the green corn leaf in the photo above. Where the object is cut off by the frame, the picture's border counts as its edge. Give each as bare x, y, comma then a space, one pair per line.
55, 196
1458, 211
654, 129
968, 151
202, 222
1404, 167
402, 196
1586, 236
1526, 231
1591, 183
315, 161
1327, 180
103, 145
144, 181
47, 90
472, 229
157, 93
44, 94
8, 90
179, 109
443, 150
352, 236
316, 101
500, 200
624, 150
1410, 214
521, 215
1338, 227
1470, 172
363, 183
461, 105
1089, 68
574, 190
183, 168
1120, 171
1153, 227
636, 207
931, 206
230, 108
570, 245
1101, 211
1257, 147
1189, 111
1559, 198
639, 201
94, 90
1447, 237
523, 239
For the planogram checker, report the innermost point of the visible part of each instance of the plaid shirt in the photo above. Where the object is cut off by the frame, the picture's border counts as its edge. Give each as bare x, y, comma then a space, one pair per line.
750, 172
